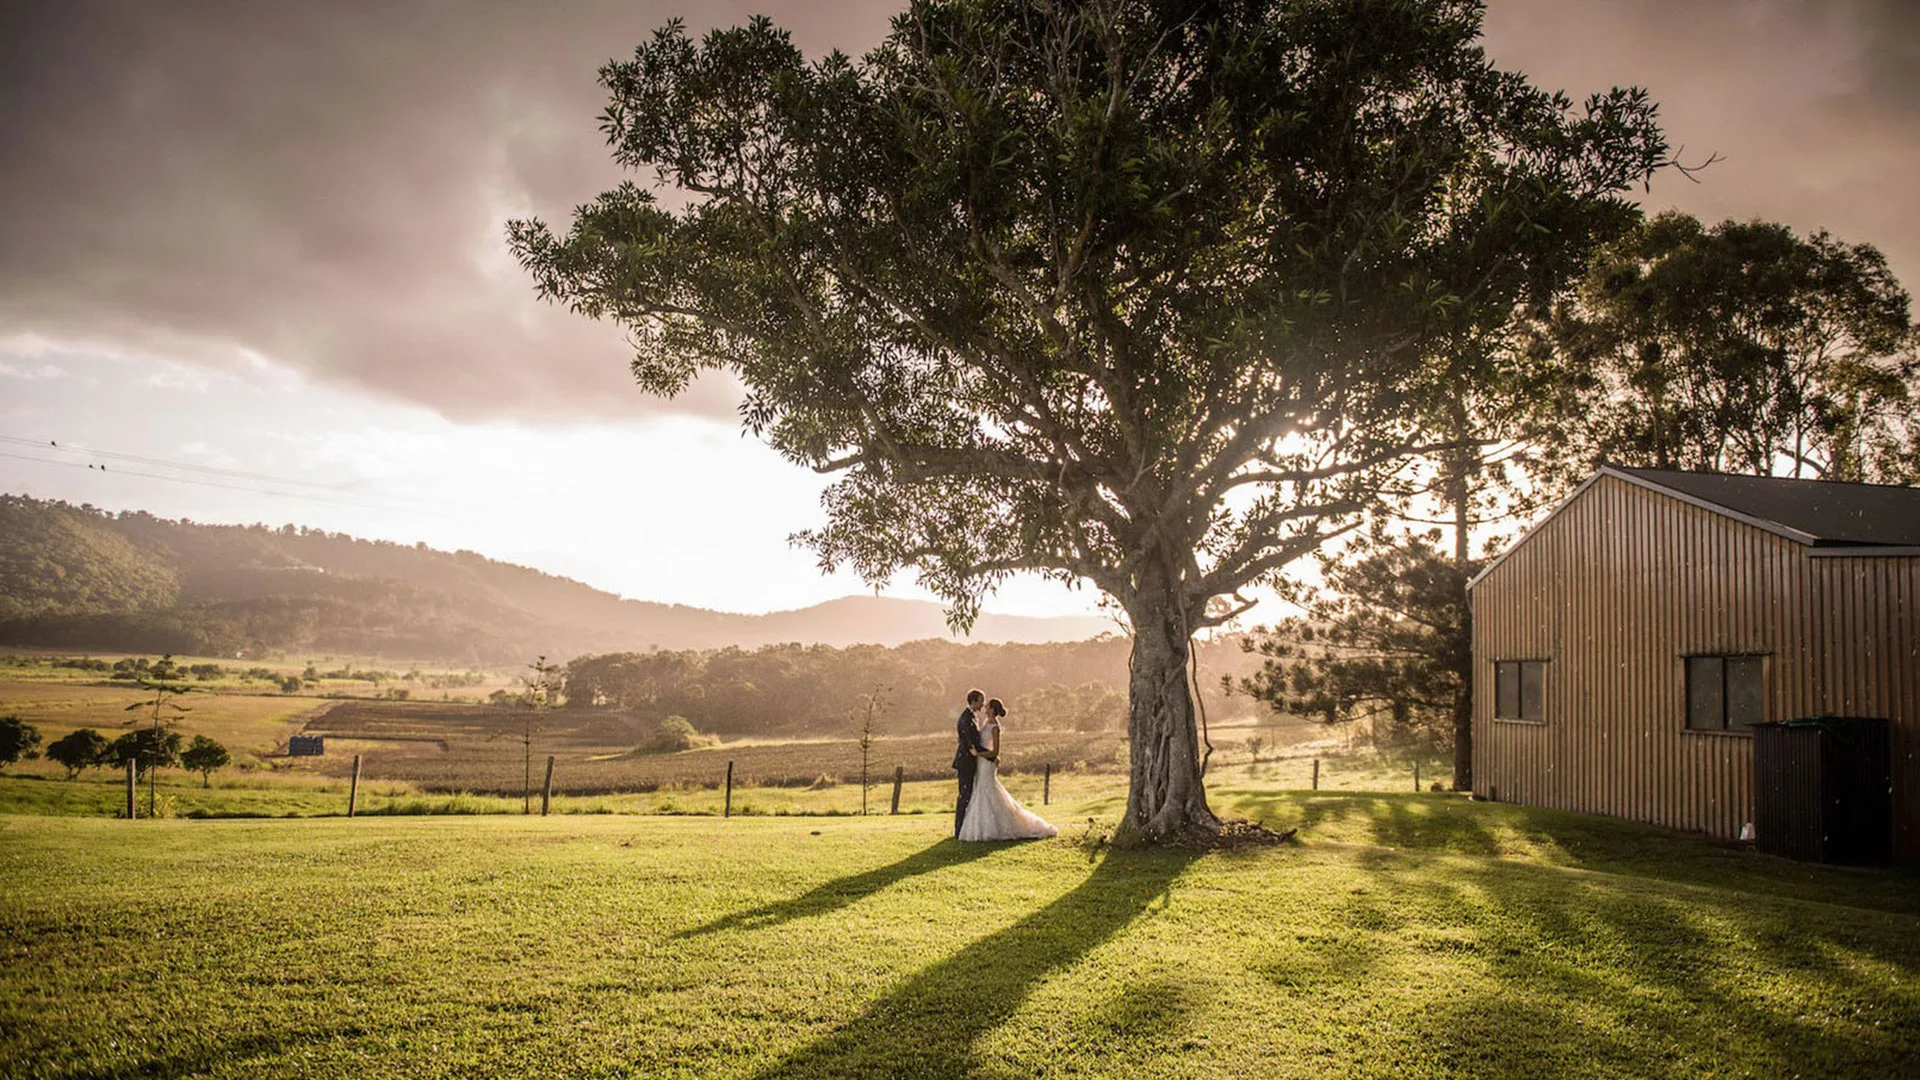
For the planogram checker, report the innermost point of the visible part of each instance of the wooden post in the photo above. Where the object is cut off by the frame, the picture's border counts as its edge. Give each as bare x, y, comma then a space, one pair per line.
133, 802
1316, 774
546, 791
728, 811
1416, 774
353, 787
1046, 785
899, 774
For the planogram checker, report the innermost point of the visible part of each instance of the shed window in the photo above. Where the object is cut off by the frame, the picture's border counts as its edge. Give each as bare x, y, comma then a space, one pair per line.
1519, 690
1726, 693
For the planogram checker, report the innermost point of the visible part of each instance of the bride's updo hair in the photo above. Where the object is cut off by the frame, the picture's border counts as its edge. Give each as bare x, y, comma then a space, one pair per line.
995, 709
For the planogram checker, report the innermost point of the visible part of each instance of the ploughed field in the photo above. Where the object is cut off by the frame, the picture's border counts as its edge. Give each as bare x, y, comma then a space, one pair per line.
1400, 936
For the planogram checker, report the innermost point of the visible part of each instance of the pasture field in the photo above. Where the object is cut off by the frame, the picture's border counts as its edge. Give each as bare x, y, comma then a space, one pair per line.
423, 757
473, 748
1401, 936
696, 790
22, 670
246, 724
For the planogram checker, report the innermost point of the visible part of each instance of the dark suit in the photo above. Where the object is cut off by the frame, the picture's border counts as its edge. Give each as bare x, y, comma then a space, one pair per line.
965, 765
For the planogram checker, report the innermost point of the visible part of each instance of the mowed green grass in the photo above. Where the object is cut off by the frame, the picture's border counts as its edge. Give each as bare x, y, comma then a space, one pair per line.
1404, 936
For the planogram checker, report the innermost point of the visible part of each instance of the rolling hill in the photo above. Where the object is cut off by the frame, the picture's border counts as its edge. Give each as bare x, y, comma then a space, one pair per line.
78, 577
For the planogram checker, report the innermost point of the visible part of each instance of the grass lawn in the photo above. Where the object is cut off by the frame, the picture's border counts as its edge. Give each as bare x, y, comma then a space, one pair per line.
1406, 936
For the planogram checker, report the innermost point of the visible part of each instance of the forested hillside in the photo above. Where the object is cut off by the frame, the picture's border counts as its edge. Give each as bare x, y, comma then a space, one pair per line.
78, 577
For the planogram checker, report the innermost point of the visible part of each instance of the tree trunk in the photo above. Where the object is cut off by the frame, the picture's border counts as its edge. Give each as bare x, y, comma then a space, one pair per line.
1166, 797
1459, 494
1463, 726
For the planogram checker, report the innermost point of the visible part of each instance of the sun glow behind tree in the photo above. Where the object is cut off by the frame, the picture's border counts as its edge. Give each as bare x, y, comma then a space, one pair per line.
1126, 294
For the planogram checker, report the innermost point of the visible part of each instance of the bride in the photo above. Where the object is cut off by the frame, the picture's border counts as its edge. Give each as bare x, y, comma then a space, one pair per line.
993, 814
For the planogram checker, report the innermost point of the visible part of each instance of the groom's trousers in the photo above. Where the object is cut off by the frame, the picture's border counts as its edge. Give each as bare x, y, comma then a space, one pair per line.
966, 775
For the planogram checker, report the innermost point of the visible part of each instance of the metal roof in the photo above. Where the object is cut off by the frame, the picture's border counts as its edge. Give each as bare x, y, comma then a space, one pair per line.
1825, 511
1831, 517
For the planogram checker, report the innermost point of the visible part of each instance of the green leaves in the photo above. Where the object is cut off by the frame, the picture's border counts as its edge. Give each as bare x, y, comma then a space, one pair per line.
1078, 268
1742, 348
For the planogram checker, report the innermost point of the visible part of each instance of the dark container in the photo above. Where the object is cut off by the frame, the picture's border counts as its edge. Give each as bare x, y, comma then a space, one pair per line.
307, 746
1823, 789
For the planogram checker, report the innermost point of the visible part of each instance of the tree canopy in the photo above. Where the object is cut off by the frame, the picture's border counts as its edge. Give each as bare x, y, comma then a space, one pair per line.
1740, 347
19, 740
203, 756
83, 748
1121, 292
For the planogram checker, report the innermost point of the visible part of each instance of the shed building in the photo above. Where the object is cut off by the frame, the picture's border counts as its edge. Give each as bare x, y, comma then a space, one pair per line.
1625, 645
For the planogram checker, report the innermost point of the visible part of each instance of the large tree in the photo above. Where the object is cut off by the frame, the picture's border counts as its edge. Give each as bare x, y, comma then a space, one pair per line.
1126, 293
1740, 347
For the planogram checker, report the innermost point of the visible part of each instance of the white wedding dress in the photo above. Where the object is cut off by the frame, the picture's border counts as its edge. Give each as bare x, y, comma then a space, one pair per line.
993, 814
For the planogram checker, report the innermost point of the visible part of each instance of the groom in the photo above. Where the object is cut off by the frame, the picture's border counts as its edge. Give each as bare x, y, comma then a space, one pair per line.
966, 759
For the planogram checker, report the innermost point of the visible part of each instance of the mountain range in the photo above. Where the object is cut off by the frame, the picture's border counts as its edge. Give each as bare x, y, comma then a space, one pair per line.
82, 578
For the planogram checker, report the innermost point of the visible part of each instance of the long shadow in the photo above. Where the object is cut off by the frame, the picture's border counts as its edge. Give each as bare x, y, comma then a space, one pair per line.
1572, 978
840, 892
201, 1060
931, 1024
1447, 825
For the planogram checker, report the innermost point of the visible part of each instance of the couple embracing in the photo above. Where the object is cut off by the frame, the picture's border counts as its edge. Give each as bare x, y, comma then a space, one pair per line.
985, 810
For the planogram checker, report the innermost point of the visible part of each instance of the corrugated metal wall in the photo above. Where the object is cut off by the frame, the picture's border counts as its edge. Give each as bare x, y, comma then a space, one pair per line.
1616, 590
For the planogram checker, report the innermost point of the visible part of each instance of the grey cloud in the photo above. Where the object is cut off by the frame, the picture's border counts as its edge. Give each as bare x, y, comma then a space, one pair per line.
1812, 104
326, 184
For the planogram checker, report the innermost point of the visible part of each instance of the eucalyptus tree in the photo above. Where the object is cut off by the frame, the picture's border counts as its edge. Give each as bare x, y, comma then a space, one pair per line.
1125, 293
1739, 347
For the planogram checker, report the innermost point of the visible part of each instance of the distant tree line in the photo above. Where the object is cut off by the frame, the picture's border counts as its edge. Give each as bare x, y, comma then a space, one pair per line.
794, 688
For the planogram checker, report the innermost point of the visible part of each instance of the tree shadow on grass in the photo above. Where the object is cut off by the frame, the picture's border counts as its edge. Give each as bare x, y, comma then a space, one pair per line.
841, 892
201, 1059
1450, 825
1568, 976
931, 1023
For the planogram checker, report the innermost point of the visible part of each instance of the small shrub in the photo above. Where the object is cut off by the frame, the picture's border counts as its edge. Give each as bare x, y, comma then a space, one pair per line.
672, 735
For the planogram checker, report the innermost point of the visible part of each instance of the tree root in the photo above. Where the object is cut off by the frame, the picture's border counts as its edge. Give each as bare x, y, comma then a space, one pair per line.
1234, 834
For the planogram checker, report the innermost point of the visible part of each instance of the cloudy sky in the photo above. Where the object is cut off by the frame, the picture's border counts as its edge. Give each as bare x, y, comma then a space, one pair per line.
266, 241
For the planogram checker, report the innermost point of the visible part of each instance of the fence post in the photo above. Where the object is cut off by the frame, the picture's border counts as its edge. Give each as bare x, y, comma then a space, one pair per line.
133, 802
899, 774
1416, 774
353, 787
1316, 774
1046, 785
728, 811
546, 792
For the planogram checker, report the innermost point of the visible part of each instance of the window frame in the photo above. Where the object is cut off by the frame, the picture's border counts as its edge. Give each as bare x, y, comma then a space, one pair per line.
1520, 664
1726, 697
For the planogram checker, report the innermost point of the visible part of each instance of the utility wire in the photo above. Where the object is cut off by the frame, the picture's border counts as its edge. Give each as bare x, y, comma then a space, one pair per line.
214, 483
53, 445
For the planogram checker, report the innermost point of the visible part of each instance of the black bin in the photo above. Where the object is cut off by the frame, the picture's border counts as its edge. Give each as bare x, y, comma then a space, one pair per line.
1823, 789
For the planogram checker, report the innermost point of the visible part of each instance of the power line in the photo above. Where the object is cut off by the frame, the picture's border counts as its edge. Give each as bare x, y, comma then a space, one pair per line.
50, 444
252, 489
